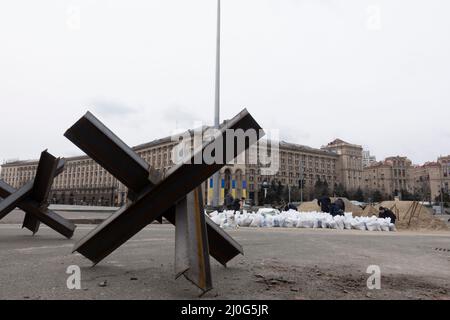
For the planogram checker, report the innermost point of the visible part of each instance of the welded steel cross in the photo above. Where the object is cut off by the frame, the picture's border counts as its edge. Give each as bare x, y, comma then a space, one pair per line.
32, 198
176, 197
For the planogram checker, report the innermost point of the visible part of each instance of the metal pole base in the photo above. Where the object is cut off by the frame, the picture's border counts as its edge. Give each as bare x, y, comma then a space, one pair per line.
191, 241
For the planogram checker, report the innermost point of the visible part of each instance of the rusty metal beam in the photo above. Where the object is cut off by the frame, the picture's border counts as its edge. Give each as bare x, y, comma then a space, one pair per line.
11, 202
102, 145
31, 198
31, 223
155, 201
222, 246
191, 241
45, 173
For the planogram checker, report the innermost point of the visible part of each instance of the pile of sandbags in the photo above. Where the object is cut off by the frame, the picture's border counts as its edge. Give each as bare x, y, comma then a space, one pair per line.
295, 219
411, 215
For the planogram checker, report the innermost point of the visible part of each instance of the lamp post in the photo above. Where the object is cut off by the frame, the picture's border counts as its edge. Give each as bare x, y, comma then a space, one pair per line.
301, 181
441, 174
265, 186
216, 176
289, 193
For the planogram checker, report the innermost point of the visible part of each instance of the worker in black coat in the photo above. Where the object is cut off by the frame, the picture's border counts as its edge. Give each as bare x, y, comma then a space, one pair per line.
386, 213
340, 205
237, 205
229, 202
324, 203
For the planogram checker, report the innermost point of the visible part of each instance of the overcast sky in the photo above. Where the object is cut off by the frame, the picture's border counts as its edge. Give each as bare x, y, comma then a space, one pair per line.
374, 73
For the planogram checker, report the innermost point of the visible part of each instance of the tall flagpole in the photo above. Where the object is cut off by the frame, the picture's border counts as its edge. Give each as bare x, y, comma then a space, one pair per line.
216, 176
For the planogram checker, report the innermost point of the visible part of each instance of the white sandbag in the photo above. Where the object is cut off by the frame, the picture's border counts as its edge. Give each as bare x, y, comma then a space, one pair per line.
231, 221
257, 221
315, 223
216, 219
332, 224
339, 220
213, 214
268, 211
230, 213
392, 227
348, 218
281, 219
263, 222
384, 223
268, 221
358, 224
305, 222
322, 223
276, 221
245, 220
290, 222
372, 224
237, 218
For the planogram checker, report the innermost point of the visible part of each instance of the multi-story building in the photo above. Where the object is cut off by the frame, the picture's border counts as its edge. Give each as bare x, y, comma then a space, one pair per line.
444, 162
377, 177
349, 167
296, 162
432, 177
82, 182
390, 176
368, 159
85, 182
401, 167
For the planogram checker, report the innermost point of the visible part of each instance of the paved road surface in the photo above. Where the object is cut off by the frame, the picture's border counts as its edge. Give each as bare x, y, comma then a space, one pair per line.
84, 217
278, 264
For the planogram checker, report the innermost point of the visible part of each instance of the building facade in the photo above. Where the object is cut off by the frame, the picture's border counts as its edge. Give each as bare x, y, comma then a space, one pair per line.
390, 176
84, 182
368, 159
296, 162
397, 174
432, 177
349, 168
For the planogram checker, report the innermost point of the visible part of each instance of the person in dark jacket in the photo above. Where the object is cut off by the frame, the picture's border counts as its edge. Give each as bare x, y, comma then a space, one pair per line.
236, 205
333, 209
229, 202
290, 206
340, 204
386, 213
324, 203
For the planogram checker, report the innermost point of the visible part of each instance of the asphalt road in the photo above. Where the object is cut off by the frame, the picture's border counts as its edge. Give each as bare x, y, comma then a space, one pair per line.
278, 264
83, 217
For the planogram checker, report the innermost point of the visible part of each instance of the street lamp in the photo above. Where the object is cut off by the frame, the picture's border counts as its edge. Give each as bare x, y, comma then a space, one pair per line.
301, 181
265, 186
441, 171
215, 202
